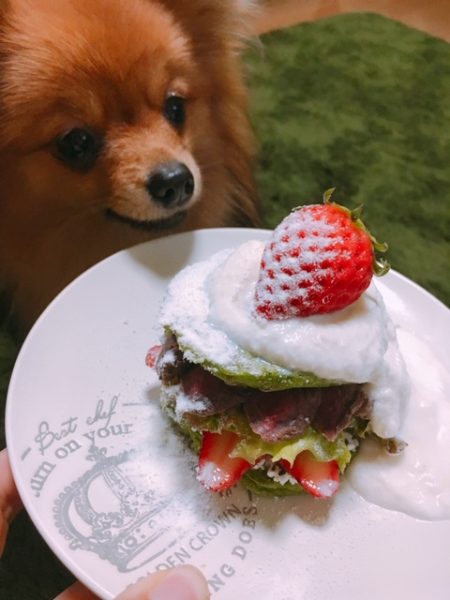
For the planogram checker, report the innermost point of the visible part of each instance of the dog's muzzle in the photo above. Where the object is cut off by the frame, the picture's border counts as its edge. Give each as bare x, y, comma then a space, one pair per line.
171, 185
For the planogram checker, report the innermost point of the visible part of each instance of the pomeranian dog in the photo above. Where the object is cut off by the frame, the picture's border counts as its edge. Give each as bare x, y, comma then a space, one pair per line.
120, 121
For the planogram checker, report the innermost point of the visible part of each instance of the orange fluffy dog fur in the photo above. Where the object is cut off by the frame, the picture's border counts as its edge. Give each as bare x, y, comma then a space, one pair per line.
120, 121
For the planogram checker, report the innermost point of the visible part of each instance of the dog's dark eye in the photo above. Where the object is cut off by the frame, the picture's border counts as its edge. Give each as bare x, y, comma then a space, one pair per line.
175, 110
78, 148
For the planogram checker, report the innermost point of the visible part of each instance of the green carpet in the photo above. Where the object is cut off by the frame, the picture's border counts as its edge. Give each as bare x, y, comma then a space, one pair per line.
357, 102
362, 104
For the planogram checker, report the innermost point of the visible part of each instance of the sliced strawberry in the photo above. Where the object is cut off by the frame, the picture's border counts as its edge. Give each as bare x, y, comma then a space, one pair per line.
152, 356
217, 471
318, 478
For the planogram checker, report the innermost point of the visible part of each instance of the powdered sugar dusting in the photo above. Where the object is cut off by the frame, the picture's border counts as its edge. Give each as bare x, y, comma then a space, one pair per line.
282, 477
182, 403
186, 308
316, 262
168, 358
210, 475
162, 464
299, 251
327, 488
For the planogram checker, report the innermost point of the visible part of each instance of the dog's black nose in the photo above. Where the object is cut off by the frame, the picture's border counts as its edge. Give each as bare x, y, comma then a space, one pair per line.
172, 184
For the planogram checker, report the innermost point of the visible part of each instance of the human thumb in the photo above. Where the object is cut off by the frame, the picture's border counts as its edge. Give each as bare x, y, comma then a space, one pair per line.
180, 583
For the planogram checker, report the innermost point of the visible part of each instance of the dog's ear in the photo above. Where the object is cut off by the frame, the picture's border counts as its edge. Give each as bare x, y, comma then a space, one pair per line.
215, 24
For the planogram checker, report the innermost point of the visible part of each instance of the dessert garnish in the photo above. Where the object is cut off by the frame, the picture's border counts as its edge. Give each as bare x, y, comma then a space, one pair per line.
320, 259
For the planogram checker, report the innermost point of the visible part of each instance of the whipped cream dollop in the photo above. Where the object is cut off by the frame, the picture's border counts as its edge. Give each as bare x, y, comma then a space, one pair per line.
346, 345
417, 481
211, 305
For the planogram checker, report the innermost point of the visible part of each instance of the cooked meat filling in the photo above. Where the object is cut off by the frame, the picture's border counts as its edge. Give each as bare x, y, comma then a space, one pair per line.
274, 416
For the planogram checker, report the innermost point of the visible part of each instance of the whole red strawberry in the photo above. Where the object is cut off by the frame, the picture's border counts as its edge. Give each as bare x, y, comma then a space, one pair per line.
320, 259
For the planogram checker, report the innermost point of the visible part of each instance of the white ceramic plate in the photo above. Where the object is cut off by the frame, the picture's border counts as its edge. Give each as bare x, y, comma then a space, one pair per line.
112, 489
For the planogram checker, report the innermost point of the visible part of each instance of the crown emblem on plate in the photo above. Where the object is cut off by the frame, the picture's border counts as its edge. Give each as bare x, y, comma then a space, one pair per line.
106, 512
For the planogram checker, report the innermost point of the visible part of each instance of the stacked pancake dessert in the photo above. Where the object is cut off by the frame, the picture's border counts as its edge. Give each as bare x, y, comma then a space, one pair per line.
278, 358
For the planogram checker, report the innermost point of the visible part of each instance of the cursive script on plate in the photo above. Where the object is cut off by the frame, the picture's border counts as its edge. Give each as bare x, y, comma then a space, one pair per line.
103, 414
46, 436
